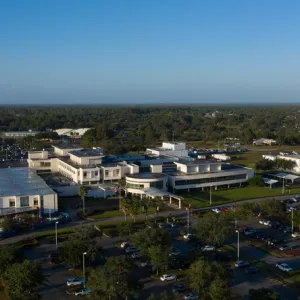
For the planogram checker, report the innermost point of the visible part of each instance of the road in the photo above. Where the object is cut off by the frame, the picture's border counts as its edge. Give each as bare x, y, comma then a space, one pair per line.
175, 213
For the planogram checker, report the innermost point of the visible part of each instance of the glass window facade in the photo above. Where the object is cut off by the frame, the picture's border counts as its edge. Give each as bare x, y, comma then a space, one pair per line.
24, 201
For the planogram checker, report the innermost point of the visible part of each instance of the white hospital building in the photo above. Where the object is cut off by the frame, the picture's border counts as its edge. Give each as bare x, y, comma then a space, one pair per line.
161, 170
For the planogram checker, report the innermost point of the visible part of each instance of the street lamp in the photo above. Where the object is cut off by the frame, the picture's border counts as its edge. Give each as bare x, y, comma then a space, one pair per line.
56, 234
210, 196
292, 221
282, 185
83, 267
188, 218
238, 245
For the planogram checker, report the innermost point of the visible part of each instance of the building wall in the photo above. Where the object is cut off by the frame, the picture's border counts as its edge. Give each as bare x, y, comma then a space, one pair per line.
295, 159
48, 202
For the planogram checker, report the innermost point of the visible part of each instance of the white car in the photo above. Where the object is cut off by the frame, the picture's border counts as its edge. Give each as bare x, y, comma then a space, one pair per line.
292, 200
296, 234
135, 255
82, 292
267, 223
173, 224
167, 277
125, 245
284, 267
189, 236
175, 253
75, 281
261, 222
132, 249
144, 264
208, 248
216, 210
191, 296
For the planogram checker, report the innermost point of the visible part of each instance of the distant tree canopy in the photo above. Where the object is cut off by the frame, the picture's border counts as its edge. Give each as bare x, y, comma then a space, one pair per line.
256, 181
131, 128
266, 164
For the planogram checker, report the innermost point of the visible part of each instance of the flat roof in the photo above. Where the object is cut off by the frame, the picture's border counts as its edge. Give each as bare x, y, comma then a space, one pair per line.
67, 146
146, 175
196, 162
22, 182
22, 132
86, 153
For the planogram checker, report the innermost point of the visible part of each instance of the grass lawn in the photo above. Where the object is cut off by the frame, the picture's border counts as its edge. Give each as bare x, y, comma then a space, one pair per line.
200, 199
114, 213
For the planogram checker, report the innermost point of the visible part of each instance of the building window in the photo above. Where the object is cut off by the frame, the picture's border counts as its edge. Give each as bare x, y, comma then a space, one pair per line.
106, 172
35, 202
84, 174
24, 201
12, 203
118, 172
96, 173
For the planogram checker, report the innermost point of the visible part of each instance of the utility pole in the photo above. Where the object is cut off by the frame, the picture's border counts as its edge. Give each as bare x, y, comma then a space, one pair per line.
210, 196
292, 221
188, 219
56, 234
83, 267
282, 185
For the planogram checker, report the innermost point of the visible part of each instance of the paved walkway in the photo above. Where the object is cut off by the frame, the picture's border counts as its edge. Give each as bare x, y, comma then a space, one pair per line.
175, 213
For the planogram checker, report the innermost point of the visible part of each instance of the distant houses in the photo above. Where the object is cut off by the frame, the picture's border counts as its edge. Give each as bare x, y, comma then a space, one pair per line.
264, 142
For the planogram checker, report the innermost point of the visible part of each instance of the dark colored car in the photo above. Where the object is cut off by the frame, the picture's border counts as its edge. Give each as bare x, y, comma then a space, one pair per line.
251, 271
53, 258
178, 288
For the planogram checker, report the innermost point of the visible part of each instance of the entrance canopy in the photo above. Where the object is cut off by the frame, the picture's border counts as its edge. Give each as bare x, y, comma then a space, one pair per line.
153, 192
270, 181
285, 176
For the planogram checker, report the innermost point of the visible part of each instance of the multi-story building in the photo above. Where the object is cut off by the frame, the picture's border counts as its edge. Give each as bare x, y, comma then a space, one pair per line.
167, 168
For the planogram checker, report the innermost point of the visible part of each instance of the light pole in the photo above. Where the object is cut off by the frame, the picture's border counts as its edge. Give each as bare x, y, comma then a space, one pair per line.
282, 185
188, 218
56, 234
210, 196
83, 267
238, 245
292, 221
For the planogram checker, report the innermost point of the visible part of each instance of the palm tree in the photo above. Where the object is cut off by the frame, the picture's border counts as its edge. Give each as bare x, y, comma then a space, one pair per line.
157, 203
82, 193
122, 186
146, 204
134, 207
125, 207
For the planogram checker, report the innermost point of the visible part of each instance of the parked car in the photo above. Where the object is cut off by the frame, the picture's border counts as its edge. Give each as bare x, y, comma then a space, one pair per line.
241, 264
167, 277
292, 200
191, 296
224, 208
175, 253
173, 224
135, 255
161, 225
189, 236
287, 229
132, 249
82, 292
261, 222
295, 234
267, 223
251, 271
284, 267
249, 231
53, 258
291, 208
216, 210
178, 288
75, 281
124, 245
284, 247
208, 248
144, 264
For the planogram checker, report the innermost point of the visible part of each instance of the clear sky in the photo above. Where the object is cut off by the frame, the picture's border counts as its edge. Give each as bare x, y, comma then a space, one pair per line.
146, 51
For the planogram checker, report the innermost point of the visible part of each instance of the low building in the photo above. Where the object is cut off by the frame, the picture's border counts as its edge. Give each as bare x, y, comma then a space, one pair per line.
21, 189
269, 157
220, 156
20, 134
74, 133
169, 149
264, 142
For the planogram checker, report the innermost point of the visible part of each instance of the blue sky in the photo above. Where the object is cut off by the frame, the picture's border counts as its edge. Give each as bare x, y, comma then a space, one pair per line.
146, 51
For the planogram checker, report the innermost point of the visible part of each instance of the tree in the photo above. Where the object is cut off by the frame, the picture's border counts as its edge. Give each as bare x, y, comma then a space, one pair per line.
81, 241
218, 289
23, 279
112, 281
8, 256
159, 257
265, 164
164, 296
7, 224
125, 207
152, 237
256, 181
125, 230
214, 228
82, 193
263, 294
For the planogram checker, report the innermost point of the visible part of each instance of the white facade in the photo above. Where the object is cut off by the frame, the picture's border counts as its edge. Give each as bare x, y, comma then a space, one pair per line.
169, 149
264, 141
22, 189
269, 157
72, 132
220, 156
